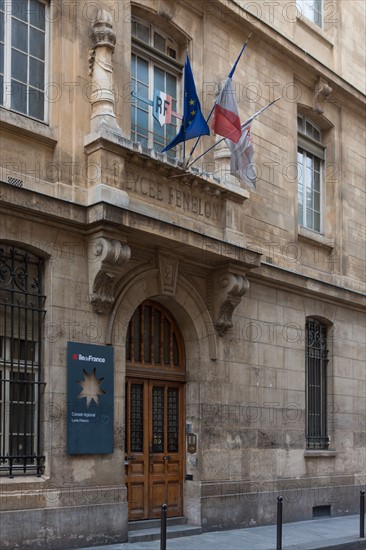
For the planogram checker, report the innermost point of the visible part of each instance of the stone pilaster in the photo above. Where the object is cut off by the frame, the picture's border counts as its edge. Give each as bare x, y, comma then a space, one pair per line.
101, 70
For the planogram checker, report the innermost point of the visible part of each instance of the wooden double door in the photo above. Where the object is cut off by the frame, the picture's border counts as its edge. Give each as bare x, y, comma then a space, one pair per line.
154, 460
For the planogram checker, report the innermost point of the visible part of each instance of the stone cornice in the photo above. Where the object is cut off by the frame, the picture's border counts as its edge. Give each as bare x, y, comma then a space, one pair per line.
303, 285
30, 205
163, 165
26, 204
294, 53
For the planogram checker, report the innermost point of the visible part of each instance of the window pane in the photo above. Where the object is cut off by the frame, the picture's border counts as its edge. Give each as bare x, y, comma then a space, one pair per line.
36, 73
18, 97
147, 334
159, 79
159, 42
36, 43
317, 202
309, 218
171, 85
1, 58
1, 26
316, 226
19, 66
299, 123
37, 16
142, 125
143, 91
300, 214
36, 104
19, 35
158, 131
142, 70
157, 336
20, 9
143, 33
1, 90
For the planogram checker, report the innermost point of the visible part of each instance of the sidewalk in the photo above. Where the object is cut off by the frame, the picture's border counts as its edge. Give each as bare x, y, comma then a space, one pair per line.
340, 533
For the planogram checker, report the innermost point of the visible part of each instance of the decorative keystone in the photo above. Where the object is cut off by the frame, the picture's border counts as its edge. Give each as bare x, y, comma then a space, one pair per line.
168, 275
106, 259
229, 288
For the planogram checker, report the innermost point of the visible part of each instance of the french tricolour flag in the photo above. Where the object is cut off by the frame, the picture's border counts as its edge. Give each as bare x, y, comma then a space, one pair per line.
226, 121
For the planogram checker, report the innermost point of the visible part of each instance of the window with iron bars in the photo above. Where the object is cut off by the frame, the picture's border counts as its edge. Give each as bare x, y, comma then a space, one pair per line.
316, 385
21, 376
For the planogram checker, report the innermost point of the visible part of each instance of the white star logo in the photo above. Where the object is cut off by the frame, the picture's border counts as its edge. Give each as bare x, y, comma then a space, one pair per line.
91, 388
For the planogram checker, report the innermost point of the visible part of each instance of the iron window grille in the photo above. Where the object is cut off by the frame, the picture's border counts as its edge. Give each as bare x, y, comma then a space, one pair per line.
316, 385
21, 375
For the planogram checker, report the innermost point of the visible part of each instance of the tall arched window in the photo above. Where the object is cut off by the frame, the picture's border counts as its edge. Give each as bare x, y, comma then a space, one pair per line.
154, 68
316, 384
310, 161
21, 376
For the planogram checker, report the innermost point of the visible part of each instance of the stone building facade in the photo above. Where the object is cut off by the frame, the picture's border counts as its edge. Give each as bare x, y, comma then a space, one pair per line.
236, 316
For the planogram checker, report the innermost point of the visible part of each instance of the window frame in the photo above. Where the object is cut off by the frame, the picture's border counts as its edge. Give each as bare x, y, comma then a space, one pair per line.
304, 7
316, 359
315, 150
156, 58
8, 77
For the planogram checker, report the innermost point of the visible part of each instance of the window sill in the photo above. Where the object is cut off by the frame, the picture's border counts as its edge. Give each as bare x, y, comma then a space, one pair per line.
16, 480
320, 454
315, 30
21, 124
311, 237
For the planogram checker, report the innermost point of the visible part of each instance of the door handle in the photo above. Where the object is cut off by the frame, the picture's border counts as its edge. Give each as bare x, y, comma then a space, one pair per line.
167, 457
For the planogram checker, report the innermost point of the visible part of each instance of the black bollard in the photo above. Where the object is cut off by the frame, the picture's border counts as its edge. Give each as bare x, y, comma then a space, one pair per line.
362, 514
164, 508
279, 523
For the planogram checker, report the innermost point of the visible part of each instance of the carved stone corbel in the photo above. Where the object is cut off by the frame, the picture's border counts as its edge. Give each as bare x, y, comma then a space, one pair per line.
167, 9
322, 91
229, 288
106, 258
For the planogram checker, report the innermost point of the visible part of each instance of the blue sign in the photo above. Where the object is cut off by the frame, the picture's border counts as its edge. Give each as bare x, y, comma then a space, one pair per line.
90, 390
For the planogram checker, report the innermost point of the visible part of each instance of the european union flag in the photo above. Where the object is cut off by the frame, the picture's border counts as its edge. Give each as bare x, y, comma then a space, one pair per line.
193, 122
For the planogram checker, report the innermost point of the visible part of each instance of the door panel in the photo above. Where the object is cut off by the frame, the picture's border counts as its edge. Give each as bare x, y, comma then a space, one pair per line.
154, 447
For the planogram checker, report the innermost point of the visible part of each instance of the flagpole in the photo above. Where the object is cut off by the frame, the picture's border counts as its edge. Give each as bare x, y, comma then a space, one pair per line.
212, 110
246, 123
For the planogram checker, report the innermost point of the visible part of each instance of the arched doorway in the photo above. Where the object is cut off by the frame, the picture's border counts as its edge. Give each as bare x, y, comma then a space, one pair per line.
155, 412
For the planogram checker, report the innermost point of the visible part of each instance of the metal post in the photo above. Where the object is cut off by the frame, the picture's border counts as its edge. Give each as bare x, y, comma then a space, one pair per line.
362, 514
164, 508
279, 523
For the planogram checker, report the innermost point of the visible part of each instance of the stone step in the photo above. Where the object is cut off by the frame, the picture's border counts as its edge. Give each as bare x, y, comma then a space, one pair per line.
172, 532
155, 523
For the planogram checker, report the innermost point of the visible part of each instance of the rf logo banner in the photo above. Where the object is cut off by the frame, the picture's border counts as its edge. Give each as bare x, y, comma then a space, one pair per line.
90, 391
